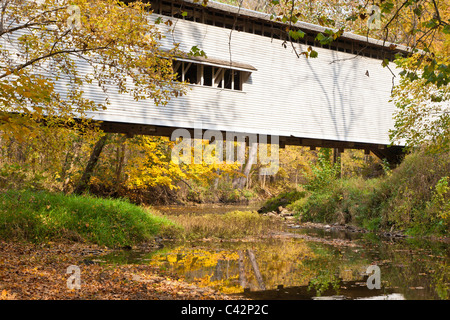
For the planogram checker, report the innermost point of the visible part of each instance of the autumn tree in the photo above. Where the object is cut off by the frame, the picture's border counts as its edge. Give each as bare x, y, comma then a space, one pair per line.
422, 94
52, 50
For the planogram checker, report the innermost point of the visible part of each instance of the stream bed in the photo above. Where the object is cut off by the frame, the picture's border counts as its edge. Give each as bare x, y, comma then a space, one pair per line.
304, 263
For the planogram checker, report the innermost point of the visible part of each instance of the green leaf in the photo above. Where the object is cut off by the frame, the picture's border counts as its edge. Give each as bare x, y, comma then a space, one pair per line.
324, 39
431, 23
296, 34
418, 11
313, 54
197, 52
387, 7
446, 29
184, 13
320, 37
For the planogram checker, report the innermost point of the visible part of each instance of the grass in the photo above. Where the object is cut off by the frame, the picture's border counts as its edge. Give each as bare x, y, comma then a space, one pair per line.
37, 216
414, 198
231, 225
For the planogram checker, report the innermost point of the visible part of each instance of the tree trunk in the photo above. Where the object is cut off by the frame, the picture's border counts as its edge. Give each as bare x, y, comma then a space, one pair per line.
258, 275
240, 156
337, 160
120, 161
242, 279
84, 181
248, 166
69, 163
252, 152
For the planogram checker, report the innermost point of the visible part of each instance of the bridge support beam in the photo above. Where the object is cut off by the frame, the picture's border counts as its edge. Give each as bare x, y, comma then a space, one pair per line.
394, 154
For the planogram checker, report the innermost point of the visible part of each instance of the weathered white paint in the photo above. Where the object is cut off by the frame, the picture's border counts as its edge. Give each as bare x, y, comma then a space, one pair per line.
320, 98
330, 97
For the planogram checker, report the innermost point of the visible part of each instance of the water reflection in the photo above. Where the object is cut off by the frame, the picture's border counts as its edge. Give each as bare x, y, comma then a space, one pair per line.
295, 268
303, 263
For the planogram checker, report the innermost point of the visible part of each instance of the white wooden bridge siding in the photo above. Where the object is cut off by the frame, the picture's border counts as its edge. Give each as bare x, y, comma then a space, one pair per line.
319, 98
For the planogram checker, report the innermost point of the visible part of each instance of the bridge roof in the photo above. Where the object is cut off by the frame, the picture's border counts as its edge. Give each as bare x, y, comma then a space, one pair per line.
304, 26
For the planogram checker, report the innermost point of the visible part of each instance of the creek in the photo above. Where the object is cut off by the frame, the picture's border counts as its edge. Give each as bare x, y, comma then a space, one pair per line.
303, 263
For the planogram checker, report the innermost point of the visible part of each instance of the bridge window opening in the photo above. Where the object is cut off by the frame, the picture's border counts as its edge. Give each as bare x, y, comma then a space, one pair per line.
208, 18
207, 76
228, 79
177, 68
240, 24
229, 22
218, 20
156, 7
249, 27
178, 15
197, 15
218, 77
267, 30
166, 9
190, 15
190, 73
276, 34
237, 80
258, 28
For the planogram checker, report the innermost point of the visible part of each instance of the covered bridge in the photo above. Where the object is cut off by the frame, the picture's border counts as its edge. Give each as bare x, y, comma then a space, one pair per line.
252, 82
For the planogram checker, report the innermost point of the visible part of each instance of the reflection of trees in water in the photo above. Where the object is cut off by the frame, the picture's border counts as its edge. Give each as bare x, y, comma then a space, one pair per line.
261, 266
315, 266
419, 269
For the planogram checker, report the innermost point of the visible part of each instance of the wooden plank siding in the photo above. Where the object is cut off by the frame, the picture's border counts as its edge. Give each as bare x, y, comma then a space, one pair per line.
339, 99
335, 97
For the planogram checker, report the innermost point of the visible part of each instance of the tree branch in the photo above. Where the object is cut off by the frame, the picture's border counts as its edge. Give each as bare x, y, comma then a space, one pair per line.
30, 22
49, 55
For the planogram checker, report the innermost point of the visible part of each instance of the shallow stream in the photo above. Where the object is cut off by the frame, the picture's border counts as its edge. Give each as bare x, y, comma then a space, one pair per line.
304, 263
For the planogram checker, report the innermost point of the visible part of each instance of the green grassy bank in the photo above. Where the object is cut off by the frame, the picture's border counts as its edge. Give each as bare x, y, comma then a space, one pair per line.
38, 216
413, 198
